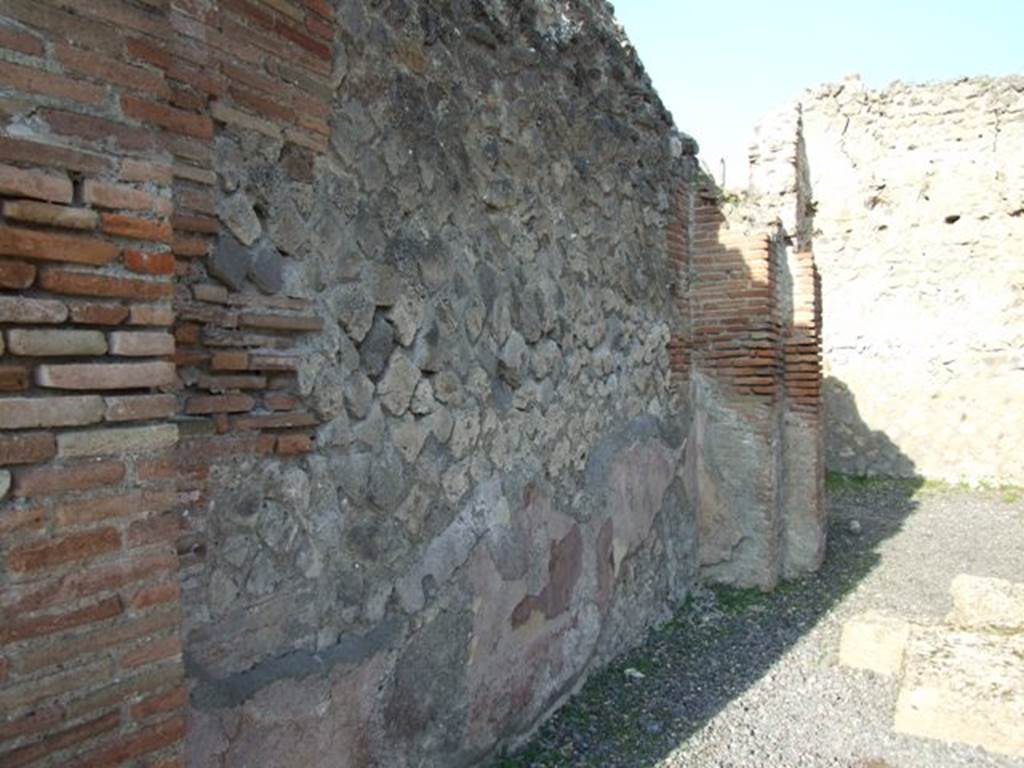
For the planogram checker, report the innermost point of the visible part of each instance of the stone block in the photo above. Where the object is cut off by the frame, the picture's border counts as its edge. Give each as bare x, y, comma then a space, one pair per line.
27, 448
230, 262
35, 412
237, 213
151, 314
267, 270
140, 407
985, 603
964, 686
294, 444
376, 348
18, 309
106, 375
106, 195
51, 215
43, 186
149, 262
202, 404
16, 275
141, 343
98, 313
135, 228
398, 384
13, 378
50, 246
214, 294
874, 642
56, 342
117, 440
75, 547
94, 284
49, 480
298, 323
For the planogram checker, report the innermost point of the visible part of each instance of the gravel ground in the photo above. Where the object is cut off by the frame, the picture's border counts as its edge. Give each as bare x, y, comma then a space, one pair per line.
738, 678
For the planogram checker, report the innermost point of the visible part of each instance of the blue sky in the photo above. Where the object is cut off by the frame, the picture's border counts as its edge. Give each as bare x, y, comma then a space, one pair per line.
720, 65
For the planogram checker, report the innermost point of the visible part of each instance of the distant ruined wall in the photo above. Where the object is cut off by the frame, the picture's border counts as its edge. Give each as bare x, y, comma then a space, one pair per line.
352, 361
918, 194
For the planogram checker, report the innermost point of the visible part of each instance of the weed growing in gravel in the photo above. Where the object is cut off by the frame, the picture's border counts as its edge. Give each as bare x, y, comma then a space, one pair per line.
736, 600
1009, 494
838, 483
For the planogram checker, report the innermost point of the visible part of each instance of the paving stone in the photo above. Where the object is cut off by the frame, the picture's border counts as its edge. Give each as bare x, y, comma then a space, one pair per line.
874, 642
985, 603
964, 686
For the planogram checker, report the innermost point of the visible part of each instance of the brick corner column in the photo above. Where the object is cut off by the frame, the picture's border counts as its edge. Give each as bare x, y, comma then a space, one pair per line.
804, 511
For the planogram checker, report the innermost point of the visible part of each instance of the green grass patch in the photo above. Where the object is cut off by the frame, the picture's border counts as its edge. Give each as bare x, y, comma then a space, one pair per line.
837, 482
1007, 492
738, 600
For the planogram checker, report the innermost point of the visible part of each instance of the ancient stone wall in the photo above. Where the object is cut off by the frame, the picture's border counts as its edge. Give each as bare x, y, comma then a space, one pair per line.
918, 193
352, 356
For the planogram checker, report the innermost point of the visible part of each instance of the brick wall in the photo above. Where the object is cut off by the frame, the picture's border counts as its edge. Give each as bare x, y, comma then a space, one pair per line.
754, 355
733, 304
803, 428
126, 369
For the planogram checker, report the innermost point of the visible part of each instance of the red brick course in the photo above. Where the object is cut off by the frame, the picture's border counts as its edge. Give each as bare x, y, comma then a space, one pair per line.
108, 209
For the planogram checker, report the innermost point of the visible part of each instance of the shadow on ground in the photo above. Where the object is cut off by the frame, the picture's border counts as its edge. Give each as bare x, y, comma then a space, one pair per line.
720, 643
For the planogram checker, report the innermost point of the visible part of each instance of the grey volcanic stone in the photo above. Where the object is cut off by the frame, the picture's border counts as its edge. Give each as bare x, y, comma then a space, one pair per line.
387, 480
267, 269
359, 394
406, 315
354, 310
377, 346
397, 386
237, 213
287, 229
